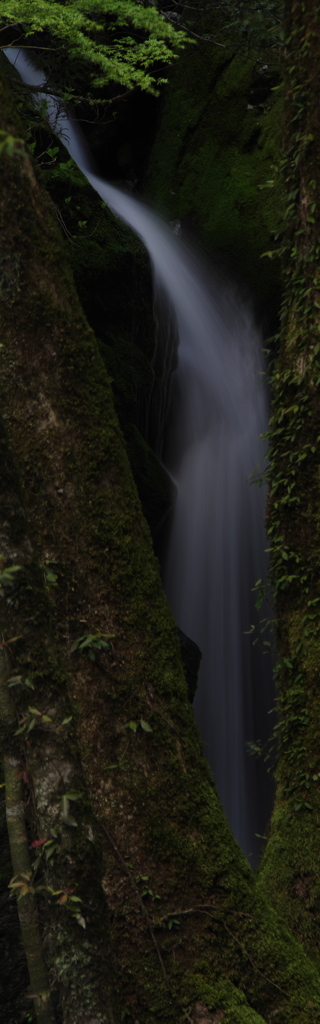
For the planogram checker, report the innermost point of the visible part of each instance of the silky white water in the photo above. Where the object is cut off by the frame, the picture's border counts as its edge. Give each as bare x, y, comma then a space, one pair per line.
216, 547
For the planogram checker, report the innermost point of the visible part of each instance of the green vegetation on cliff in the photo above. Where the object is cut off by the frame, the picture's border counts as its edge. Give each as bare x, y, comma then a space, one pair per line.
215, 161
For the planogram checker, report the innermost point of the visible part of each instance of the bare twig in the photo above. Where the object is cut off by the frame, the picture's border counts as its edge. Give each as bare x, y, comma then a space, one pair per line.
48, 49
74, 241
202, 909
206, 909
207, 39
203, 39
255, 968
187, 7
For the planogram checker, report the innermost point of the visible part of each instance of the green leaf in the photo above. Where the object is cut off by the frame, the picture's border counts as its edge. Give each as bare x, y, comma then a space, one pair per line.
50, 851
64, 806
6, 575
133, 726
22, 728
31, 725
36, 862
80, 920
51, 576
74, 646
69, 820
29, 684
14, 681
145, 725
86, 641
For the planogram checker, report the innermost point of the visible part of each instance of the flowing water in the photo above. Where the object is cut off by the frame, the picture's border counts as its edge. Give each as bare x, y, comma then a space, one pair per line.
216, 546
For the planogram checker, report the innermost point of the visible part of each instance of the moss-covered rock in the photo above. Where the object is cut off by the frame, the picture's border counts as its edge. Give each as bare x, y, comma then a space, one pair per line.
112, 275
113, 278
290, 874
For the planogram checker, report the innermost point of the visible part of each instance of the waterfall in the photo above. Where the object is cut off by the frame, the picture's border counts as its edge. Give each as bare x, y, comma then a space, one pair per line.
216, 547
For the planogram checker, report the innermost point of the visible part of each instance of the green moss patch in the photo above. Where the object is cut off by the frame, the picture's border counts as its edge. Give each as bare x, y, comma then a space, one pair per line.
215, 163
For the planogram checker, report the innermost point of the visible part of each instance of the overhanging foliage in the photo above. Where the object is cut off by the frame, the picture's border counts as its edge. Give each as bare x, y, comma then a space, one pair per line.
120, 40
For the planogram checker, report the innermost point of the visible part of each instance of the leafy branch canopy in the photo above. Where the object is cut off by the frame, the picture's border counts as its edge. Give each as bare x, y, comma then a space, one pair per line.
120, 40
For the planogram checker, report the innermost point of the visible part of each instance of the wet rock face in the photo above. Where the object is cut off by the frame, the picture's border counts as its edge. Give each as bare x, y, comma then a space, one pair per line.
191, 658
201, 1015
121, 147
113, 278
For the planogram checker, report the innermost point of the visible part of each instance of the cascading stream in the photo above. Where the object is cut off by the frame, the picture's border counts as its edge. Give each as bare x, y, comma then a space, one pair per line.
216, 553
216, 548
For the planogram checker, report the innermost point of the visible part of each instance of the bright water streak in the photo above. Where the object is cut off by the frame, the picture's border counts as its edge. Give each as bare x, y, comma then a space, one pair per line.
217, 541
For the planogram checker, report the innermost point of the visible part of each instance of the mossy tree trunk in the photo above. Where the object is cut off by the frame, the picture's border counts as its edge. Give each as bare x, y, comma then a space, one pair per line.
290, 872
190, 938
